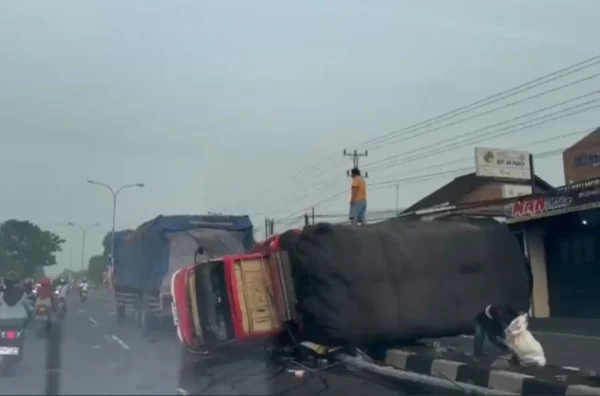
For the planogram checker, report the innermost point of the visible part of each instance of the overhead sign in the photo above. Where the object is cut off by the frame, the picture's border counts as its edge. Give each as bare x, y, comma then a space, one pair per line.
515, 190
500, 163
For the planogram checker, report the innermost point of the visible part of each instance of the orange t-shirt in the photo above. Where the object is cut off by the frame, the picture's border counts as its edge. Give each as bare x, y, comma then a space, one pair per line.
359, 189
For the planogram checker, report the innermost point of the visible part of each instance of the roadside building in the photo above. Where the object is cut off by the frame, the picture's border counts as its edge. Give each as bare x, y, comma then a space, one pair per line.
581, 161
559, 228
471, 189
562, 234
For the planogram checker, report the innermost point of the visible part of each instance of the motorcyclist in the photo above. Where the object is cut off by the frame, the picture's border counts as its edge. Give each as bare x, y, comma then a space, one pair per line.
62, 290
13, 296
44, 293
83, 286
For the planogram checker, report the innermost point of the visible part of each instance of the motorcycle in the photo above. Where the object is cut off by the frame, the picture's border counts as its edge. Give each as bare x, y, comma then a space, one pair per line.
83, 295
12, 337
61, 306
42, 318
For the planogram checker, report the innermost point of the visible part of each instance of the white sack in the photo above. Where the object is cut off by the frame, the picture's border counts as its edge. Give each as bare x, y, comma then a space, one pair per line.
523, 344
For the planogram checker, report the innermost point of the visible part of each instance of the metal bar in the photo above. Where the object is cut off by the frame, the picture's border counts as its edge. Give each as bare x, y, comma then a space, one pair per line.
418, 378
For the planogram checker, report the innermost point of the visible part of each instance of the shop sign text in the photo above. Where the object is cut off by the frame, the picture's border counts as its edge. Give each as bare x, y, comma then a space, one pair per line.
530, 207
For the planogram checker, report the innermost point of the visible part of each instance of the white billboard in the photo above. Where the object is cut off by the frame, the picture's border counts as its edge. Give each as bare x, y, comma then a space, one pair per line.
501, 163
515, 190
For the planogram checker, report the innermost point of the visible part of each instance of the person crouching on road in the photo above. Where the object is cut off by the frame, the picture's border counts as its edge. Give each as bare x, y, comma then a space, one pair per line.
358, 198
45, 295
491, 324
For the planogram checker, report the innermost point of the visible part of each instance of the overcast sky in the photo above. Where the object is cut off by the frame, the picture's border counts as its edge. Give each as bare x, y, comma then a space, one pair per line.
245, 106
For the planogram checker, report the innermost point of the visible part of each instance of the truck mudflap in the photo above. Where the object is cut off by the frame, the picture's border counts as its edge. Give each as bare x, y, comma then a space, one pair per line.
180, 308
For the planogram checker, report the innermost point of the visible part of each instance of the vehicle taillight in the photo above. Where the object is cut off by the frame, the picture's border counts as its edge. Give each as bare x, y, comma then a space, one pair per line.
41, 309
10, 334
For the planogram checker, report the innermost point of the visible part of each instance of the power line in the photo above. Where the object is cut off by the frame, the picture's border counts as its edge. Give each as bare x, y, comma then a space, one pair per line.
530, 144
502, 132
356, 156
473, 136
407, 180
488, 127
571, 69
574, 68
495, 109
411, 152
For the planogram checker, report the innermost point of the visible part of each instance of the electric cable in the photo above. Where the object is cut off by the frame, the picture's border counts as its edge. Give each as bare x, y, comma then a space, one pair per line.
563, 72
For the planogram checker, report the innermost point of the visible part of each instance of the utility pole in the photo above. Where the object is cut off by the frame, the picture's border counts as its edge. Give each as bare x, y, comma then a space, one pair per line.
313, 215
266, 228
306, 219
83, 229
272, 227
355, 160
397, 197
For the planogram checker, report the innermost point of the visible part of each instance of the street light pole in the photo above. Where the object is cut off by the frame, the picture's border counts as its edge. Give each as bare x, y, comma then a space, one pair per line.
114, 193
83, 229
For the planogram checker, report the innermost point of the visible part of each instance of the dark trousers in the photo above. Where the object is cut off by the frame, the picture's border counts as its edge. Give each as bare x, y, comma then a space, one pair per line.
481, 333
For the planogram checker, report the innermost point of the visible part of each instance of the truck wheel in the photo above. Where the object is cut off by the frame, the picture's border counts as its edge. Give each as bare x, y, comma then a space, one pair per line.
120, 314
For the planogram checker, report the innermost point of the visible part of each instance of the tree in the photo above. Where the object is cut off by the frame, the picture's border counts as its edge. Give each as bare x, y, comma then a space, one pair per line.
106, 242
96, 268
7, 263
26, 246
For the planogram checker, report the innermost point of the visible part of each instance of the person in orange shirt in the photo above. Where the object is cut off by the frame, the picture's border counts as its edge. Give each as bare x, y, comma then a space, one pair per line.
358, 198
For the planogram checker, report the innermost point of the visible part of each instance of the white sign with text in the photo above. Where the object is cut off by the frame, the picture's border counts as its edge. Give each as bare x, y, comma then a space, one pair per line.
501, 163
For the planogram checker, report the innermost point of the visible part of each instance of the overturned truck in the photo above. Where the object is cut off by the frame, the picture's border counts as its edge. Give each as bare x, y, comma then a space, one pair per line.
394, 281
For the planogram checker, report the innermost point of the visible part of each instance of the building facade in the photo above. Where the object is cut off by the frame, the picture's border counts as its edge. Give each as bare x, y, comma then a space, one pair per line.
581, 161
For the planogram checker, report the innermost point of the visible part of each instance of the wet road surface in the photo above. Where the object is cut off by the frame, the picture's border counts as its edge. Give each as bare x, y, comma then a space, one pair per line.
98, 356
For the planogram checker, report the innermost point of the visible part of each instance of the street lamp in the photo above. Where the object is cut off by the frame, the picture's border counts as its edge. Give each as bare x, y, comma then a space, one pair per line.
114, 214
84, 229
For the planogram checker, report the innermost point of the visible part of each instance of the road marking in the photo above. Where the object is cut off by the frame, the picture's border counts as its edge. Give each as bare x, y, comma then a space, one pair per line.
93, 321
81, 311
583, 337
120, 341
571, 368
97, 347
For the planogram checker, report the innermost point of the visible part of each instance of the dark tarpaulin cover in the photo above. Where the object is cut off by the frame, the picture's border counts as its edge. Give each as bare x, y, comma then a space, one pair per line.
402, 279
126, 270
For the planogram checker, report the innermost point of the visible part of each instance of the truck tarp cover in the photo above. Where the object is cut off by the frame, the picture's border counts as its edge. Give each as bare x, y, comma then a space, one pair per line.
169, 243
401, 280
126, 269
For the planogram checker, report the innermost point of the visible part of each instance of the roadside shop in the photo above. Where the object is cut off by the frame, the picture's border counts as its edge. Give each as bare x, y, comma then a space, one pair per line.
561, 236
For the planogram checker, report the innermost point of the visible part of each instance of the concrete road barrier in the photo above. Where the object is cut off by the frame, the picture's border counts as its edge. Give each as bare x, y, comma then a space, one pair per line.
497, 379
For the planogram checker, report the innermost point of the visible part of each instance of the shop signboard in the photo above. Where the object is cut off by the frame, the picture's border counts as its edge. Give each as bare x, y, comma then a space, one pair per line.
562, 201
515, 190
502, 163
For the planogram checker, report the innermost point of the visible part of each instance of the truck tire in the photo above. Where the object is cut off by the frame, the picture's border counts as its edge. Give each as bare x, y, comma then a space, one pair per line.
120, 314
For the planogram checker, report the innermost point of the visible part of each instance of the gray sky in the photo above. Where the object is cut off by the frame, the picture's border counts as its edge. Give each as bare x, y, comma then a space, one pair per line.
210, 102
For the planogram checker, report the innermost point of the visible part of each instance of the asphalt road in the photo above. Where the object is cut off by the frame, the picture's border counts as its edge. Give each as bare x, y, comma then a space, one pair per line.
98, 356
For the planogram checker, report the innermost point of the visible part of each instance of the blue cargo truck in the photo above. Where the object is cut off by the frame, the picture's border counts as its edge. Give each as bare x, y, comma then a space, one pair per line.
151, 254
